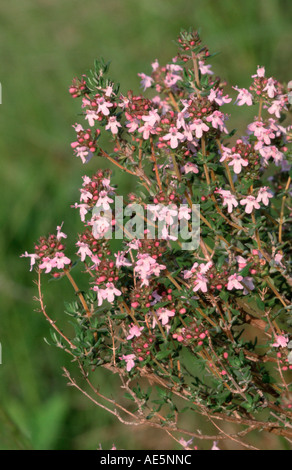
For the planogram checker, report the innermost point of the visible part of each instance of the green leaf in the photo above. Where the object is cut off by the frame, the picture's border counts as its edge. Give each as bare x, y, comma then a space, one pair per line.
129, 396
260, 304
162, 354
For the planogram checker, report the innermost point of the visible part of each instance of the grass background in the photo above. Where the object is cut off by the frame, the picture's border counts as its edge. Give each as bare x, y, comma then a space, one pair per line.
44, 44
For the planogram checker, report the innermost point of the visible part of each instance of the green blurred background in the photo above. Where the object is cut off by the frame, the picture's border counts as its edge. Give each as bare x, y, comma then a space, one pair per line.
44, 44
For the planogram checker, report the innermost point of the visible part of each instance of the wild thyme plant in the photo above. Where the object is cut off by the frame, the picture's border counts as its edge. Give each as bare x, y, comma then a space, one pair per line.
207, 329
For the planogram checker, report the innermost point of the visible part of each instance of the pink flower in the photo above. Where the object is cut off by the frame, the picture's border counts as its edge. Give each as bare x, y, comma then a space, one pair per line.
204, 268
163, 105
244, 97
85, 195
175, 68
226, 152
275, 127
60, 260
171, 77
91, 116
103, 106
78, 128
188, 132
46, 264
156, 268
260, 72
147, 266
155, 65
110, 292
198, 270
167, 213
199, 127
133, 245
174, 136
270, 88
241, 262
59, 233
262, 133
184, 212
268, 151
281, 341
277, 107
121, 260
217, 120
185, 443
264, 195
178, 336
250, 203
33, 257
100, 225
95, 260
162, 213
104, 200
205, 69
99, 292
237, 162
108, 91
182, 115
106, 183
83, 153
217, 96
135, 331
84, 250
113, 125
234, 282
133, 125
83, 210
86, 180
152, 118
215, 446
167, 234
146, 81
147, 129
278, 259
190, 168
229, 199
189, 273
164, 315
200, 283
129, 358
85, 102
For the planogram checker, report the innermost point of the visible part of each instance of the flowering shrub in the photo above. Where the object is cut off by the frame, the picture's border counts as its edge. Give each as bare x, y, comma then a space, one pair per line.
205, 329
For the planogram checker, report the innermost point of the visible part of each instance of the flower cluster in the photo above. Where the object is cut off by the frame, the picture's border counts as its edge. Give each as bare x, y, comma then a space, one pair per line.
193, 334
204, 324
49, 254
